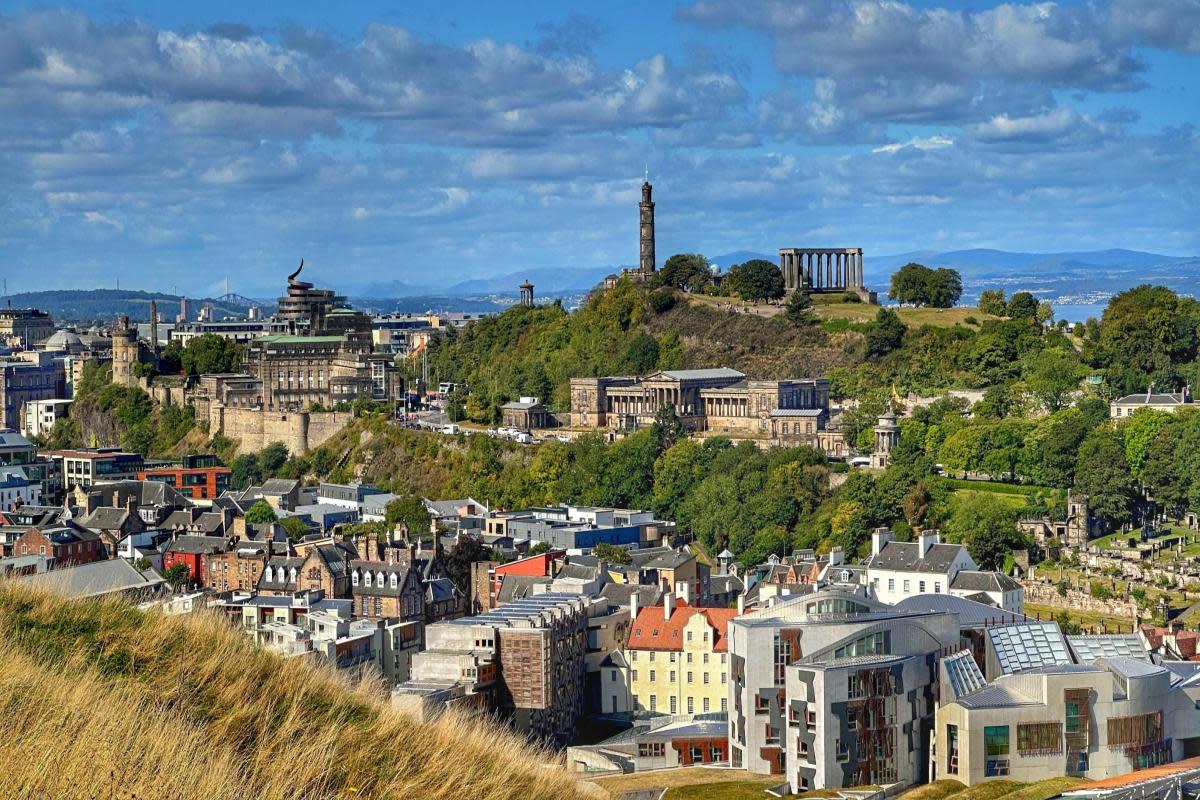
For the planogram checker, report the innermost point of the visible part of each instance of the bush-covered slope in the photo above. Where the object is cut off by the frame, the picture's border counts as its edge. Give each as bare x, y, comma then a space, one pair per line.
100, 700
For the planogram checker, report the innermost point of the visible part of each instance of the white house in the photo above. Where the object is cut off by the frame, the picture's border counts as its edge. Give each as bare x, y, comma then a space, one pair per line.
16, 489
897, 570
1000, 589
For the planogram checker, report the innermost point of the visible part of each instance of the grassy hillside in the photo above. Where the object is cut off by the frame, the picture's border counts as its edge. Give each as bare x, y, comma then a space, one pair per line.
100, 700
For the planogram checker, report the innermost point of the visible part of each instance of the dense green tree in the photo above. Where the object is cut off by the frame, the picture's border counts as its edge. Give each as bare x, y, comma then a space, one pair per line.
909, 284
799, 309
887, 334
612, 553
987, 526
1138, 433
991, 301
465, 552
177, 576
1102, 473
1052, 375
1045, 312
687, 271
919, 285
643, 356
260, 513
667, 427
1023, 305
211, 354
410, 511
757, 279
1146, 331
943, 287
295, 527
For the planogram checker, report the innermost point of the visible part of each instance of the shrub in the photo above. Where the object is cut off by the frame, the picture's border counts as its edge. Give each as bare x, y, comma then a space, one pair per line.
661, 300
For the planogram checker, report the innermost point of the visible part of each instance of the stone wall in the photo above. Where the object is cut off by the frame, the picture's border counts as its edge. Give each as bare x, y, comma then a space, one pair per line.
1075, 600
254, 429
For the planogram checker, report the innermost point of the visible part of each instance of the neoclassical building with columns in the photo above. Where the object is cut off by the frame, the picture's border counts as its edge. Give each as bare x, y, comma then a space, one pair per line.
824, 269
789, 412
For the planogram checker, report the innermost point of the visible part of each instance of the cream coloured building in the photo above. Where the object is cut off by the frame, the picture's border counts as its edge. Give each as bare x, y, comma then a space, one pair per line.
677, 659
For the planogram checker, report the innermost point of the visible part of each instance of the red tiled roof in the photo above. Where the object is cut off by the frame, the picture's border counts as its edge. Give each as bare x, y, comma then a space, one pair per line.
652, 632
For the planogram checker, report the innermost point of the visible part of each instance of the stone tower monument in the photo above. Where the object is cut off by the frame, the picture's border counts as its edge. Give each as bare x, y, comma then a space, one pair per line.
124, 352
646, 265
527, 294
887, 436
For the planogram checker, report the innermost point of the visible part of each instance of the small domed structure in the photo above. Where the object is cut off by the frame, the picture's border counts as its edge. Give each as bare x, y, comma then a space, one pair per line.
65, 341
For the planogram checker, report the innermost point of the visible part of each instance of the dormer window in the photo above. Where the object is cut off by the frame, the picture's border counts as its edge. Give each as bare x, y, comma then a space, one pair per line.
354, 577
292, 574
367, 578
395, 581
269, 574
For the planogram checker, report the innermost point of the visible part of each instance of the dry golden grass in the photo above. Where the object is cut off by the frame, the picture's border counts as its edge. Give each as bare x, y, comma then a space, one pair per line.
99, 701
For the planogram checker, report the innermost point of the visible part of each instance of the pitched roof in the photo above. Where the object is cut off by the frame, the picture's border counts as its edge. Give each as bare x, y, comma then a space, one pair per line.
906, 557
197, 544
1027, 645
981, 581
517, 587
652, 632
94, 579
1088, 648
703, 374
105, 518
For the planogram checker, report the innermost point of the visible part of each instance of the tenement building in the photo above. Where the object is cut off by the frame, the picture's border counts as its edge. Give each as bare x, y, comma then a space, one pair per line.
790, 412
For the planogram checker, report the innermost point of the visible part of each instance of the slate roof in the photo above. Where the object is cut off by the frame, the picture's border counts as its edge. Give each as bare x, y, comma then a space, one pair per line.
197, 544
620, 594
517, 405
578, 572
440, 590
980, 581
797, 412
516, 587
105, 518
906, 557
1155, 399
375, 590
95, 579
279, 485
650, 631
671, 560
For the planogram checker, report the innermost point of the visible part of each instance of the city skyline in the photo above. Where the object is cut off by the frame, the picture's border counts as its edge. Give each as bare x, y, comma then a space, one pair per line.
185, 144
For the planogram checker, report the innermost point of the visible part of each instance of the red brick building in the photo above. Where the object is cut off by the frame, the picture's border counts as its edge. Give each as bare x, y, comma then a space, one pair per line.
67, 545
199, 483
192, 551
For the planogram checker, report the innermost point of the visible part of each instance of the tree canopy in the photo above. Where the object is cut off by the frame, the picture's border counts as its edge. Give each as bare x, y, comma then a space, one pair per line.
917, 284
757, 279
687, 271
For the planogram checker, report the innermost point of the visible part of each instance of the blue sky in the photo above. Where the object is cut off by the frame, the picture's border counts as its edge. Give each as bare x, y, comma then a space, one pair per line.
420, 144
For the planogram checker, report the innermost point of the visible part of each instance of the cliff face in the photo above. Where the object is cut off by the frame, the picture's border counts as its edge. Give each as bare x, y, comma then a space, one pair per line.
102, 700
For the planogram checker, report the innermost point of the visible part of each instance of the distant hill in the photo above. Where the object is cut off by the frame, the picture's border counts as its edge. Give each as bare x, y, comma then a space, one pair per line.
187, 707
96, 305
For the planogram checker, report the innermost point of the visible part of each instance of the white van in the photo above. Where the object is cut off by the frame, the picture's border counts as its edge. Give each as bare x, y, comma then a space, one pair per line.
450, 430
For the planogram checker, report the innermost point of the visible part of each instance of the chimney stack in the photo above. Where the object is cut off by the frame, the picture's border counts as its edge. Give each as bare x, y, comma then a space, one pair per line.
928, 538
837, 557
633, 606
879, 538
668, 603
741, 606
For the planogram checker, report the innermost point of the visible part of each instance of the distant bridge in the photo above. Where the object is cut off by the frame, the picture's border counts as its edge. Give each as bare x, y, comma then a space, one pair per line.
237, 300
